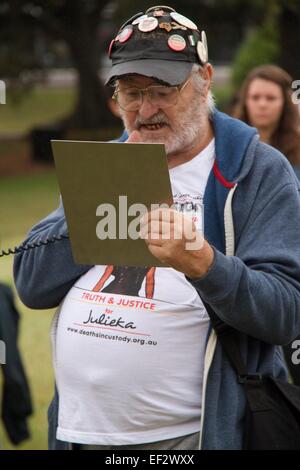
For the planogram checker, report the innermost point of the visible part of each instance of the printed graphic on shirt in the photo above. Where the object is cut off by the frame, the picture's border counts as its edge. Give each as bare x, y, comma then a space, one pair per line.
111, 317
126, 280
191, 206
105, 312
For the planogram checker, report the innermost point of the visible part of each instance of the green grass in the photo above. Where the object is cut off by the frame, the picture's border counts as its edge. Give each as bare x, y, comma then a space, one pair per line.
23, 202
223, 95
40, 106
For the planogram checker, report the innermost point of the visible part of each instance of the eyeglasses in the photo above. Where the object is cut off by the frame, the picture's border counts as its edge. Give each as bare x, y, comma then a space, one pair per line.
131, 98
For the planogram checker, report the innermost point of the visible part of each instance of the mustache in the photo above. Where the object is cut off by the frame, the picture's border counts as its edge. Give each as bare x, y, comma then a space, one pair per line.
158, 118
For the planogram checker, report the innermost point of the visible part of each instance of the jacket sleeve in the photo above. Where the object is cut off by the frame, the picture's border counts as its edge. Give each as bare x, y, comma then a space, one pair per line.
257, 291
44, 275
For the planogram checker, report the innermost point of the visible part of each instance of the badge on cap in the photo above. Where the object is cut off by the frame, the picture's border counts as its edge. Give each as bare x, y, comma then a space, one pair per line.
148, 24
125, 34
183, 20
202, 50
165, 26
159, 7
204, 41
178, 26
176, 43
192, 40
158, 13
140, 18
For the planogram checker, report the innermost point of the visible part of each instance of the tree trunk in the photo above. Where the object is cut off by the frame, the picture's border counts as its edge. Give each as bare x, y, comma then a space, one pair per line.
91, 111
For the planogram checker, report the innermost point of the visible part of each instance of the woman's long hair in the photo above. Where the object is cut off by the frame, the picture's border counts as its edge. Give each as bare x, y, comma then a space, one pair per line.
286, 137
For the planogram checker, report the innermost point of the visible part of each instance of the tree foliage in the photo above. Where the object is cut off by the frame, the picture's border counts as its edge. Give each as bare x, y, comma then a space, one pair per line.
76, 23
85, 28
260, 47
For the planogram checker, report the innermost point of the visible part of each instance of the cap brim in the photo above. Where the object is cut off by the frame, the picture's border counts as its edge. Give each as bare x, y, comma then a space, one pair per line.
168, 71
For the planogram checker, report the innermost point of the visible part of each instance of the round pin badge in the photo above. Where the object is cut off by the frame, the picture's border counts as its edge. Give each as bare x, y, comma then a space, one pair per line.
125, 34
204, 41
192, 40
178, 26
183, 20
158, 13
165, 26
176, 43
140, 18
202, 52
148, 24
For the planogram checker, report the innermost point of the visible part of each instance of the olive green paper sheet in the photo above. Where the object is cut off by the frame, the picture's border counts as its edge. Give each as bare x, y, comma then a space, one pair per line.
94, 173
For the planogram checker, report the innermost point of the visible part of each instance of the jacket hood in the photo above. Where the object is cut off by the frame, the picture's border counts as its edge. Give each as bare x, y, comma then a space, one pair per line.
235, 144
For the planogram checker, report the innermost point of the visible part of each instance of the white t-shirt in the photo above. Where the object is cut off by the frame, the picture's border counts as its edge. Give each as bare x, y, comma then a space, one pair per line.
129, 344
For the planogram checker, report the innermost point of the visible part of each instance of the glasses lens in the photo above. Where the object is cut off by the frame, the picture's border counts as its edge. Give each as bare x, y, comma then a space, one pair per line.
129, 99
163, 96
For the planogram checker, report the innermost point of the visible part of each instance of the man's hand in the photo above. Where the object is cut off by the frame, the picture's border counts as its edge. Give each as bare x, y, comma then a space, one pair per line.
135, 137
173, 239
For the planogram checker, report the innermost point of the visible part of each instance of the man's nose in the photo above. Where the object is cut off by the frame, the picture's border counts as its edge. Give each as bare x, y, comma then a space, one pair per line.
147, 109
262, 102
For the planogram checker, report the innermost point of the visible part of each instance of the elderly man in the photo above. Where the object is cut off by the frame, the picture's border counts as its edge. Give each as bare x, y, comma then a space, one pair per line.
146, 371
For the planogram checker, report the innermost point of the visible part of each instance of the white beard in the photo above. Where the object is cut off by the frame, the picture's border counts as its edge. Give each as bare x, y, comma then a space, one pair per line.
185, 129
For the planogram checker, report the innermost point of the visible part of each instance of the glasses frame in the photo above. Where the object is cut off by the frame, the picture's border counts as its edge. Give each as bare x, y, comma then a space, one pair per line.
142, 91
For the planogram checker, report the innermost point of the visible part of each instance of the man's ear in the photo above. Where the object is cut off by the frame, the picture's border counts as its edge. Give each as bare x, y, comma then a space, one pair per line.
207, 73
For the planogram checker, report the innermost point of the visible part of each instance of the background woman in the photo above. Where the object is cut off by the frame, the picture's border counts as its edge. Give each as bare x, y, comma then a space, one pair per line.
265, 102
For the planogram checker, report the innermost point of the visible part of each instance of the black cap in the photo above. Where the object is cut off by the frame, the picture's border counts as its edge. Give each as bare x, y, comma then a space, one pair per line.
160, 44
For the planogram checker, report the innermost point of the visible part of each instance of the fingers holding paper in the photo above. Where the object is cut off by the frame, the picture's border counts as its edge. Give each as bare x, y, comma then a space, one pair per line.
134, 137
172, 237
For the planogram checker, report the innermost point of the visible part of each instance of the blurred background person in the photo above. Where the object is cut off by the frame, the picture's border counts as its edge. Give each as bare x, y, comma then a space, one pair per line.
265, 102
16, 403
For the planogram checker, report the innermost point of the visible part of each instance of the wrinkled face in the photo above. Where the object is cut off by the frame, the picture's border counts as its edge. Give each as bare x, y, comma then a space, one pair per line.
264, 103
176, 126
